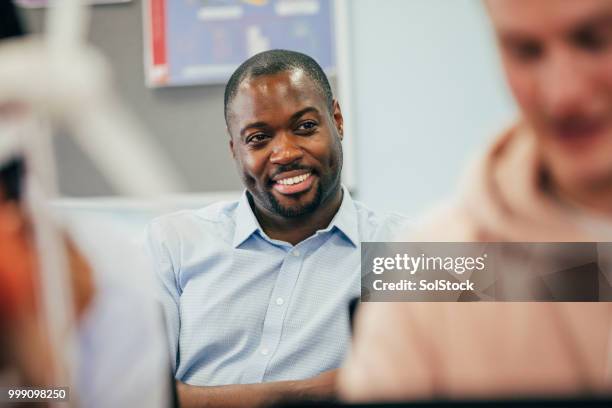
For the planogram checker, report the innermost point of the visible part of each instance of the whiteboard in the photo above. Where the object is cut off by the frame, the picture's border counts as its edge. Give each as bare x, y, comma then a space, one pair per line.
203, 42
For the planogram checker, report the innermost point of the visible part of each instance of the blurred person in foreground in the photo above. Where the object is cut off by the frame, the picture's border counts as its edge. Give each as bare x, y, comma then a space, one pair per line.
548, 178
256, 291
120, 355
120, 349
25, 356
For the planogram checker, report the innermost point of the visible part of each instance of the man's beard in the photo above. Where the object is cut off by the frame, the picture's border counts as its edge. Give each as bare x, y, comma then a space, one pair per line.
328, 184
296, 210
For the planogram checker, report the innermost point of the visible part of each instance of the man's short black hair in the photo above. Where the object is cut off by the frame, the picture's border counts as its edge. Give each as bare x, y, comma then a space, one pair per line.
275, 61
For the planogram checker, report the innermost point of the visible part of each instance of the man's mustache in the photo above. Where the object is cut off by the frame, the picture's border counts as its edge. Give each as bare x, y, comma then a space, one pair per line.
290, 167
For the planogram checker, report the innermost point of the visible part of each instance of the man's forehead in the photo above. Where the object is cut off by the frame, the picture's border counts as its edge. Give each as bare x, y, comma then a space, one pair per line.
531, 17
273, 94
269, 82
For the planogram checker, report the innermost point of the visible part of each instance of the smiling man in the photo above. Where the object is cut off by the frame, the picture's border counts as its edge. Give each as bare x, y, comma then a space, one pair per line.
256, 292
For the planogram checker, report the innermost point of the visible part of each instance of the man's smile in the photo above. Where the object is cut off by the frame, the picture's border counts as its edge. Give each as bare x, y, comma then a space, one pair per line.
293, 182
580, 132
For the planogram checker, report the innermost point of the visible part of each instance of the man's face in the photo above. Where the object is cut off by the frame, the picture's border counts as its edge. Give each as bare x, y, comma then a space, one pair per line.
286, 142
558, 58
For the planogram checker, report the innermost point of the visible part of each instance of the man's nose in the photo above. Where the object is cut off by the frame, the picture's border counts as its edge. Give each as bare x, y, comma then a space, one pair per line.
565, 84
285, 149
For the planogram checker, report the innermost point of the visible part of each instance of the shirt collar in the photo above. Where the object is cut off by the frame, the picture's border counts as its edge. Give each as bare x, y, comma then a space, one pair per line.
345, 220
246, 222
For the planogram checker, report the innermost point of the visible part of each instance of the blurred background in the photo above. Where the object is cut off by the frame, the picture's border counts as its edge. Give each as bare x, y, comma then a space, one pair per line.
425, 91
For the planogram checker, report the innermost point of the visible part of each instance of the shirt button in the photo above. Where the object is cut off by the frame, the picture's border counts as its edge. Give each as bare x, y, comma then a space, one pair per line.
279, 301
296, 252
264, 351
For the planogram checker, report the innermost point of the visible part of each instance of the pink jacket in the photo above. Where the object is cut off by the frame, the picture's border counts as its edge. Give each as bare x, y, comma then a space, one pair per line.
405, 351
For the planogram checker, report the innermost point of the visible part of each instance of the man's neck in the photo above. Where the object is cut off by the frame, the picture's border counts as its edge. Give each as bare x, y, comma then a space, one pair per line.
296, 229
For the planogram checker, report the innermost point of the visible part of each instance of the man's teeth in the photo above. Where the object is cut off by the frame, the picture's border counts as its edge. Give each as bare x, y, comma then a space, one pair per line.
293, 180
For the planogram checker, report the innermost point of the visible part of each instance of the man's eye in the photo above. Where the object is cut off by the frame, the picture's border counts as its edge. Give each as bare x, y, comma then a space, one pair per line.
307, 126
527, 52
256, 138
591, 40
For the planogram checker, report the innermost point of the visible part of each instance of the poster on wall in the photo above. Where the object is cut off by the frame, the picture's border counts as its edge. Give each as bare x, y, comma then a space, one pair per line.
190, 42
45, 3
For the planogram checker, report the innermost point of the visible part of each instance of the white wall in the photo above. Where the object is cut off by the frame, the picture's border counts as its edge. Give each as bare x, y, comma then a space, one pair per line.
428, 91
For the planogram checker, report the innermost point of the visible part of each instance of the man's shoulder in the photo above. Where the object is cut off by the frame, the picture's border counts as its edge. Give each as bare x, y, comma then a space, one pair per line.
209, 220
381, 226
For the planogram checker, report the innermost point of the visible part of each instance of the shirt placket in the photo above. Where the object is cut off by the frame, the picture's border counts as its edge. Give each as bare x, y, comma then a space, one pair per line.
275, 314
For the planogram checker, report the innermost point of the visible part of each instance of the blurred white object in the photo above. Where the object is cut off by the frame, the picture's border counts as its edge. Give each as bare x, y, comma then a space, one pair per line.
10, 145
58, 80
74, 90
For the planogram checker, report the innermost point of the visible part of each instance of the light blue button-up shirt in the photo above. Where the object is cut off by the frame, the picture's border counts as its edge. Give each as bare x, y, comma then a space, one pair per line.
243, 308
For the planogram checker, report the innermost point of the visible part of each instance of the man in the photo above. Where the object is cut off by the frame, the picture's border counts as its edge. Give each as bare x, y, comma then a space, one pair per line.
257, 291
549, 178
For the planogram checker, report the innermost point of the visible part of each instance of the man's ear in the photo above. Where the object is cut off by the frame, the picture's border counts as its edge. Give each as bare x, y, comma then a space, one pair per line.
338, 119
231, 144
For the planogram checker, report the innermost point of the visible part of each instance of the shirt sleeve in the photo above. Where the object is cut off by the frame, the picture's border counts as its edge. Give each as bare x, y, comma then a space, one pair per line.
160, 245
